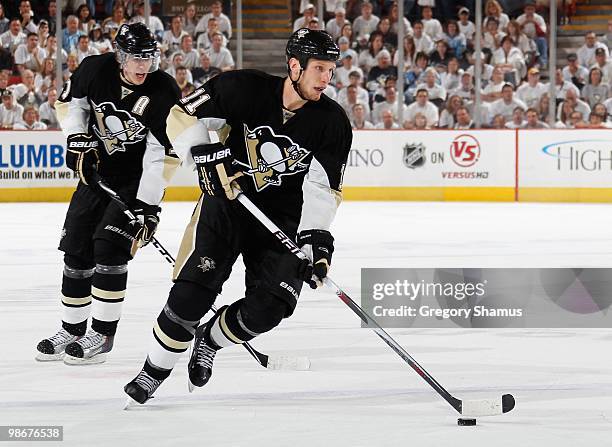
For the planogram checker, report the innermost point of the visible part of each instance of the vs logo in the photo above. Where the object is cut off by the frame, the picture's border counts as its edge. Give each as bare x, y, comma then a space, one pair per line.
271, 156
465, 151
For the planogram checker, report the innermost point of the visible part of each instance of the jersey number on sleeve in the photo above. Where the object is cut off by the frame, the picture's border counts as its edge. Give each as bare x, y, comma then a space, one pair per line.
194, 100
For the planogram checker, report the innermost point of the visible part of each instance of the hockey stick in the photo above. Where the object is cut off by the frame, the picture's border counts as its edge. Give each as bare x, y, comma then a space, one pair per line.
472, 408
270, 362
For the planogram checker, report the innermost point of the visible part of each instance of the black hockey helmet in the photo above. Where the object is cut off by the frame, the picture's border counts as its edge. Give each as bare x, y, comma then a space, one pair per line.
135, 40
305, 44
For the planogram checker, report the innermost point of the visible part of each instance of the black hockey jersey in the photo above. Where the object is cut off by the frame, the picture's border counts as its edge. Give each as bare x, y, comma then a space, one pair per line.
128, 120
295, 161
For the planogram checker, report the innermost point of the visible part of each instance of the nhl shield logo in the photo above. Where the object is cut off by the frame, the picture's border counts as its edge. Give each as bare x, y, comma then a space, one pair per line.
116, 128
414, 155
271, 156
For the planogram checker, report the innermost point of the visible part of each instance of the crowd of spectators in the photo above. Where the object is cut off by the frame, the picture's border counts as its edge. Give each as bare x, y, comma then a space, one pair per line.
437, 70
193, 49
438, 67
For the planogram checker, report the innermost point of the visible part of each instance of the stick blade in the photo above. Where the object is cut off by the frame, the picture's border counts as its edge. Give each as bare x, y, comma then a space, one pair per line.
285, 362
487, 407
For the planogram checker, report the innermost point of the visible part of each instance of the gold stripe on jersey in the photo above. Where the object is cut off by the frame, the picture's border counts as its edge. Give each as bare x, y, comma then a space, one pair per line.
177, 122
76, 301
107, 294
188, 243
170, 166
224, 132
226, 330
168, 341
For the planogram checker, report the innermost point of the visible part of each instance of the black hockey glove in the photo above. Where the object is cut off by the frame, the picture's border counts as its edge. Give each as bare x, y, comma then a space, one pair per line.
216, 170
82, 156
319, 246
148, 219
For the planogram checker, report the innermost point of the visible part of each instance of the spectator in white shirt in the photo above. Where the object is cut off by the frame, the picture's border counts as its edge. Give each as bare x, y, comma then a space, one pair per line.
84, 49
155, 24
586, 53
45, 79
220, 56
27, 17
464, 120
10, 112
177, 61
366, 23
334, 26
225, 26
531, 91
571, 98
204, 41
574, 72
493, 90
507, 103
510, 59
424, 106
534, 27
29, 55
30, 120
344, 46
350, 98
465, 88
387, 122
359, 120
368, 58
517, 121
466, 27
492, 36
308, 14
98, 41
422, 42
494, 10
391, 103
435, 92
25, 93
190, 55
533, 121
432, 27
355, 78
48, 115
13, 37
342, 72
605, 65
171, 42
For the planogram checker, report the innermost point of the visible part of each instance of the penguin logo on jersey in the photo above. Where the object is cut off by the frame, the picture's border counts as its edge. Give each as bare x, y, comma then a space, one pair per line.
116, 128
271, 156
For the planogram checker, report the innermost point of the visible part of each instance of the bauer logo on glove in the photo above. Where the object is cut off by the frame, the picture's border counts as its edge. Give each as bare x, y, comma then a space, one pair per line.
82, 156
216, 170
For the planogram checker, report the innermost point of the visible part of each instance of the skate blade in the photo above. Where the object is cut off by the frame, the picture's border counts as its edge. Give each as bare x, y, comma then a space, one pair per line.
40, 357
130, 403
96, 359
190, 386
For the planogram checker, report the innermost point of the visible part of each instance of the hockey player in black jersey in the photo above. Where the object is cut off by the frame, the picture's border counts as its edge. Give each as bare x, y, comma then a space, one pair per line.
113, 111
286, 145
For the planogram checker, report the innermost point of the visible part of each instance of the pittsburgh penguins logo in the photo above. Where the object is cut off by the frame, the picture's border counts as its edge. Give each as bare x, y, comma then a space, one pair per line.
271, 156
116, 128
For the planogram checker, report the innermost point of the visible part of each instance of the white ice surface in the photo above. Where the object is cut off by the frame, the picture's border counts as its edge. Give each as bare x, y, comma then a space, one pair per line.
358, 393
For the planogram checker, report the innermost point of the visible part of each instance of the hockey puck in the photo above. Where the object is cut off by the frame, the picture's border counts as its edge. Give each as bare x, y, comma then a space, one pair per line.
466, 422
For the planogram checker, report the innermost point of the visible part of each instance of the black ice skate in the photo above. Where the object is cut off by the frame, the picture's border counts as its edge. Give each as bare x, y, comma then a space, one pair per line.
52, 348
201, 359
141, 388
90, 349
